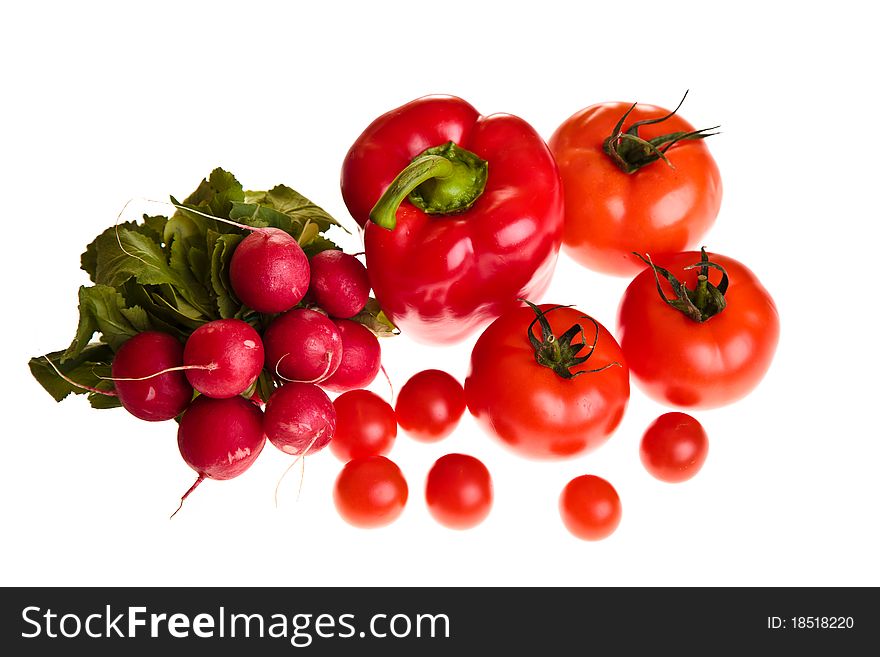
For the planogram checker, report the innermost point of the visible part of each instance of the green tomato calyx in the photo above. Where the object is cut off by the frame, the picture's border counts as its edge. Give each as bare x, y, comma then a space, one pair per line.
558, 353
631, 152
700, 303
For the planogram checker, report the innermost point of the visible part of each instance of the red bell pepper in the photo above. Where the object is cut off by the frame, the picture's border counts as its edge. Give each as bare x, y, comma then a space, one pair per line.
462, 214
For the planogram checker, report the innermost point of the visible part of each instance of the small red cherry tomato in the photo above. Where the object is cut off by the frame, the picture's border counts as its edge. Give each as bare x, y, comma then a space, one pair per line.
365, 425
459, 491
674, 447
430, 405
370, 492
590, 507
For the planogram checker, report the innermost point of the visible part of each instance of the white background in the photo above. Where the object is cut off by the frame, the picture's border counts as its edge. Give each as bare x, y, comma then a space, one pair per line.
105, 102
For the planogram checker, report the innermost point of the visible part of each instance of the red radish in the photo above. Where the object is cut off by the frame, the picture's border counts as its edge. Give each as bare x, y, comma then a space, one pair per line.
230, 353
154, 397
269, 271
220, 438
339, 283
303, 345
361, 358
299, 418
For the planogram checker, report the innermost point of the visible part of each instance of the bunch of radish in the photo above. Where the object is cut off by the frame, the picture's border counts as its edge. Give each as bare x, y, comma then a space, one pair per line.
254, 323
221, 432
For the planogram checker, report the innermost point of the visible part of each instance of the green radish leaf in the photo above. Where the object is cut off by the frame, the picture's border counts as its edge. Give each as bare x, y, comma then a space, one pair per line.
309, 233
290, 202
191, 288
317, 244
89, 258
185, 227
102, 309
124, 254
137, 317
156, 225
375, 319
265, 386
103, 401
161, 316
200, 264
93, 359
166, 295
222, 248
216, 193
262, 216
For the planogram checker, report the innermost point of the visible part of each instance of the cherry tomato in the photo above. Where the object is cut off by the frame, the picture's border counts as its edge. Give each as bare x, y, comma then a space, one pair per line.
430, 405
365, 425
547, 381
590, 507
680, 356
659, 208
674, 447
459, 491
370, 492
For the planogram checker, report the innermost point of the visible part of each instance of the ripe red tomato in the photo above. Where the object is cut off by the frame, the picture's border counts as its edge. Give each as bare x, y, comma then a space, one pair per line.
365, 425
430, 405
674, 447
659, 208
531, 386
370, 492
687, 363
459, 491
590, 507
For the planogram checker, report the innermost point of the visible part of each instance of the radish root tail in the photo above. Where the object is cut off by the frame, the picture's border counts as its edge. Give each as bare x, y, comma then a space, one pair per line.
97, 391
320, 378
187, 493
210, 367
298, 459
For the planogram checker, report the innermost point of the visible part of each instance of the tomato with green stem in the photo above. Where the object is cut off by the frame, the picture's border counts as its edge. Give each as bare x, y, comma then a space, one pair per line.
548, 381
698, 329
620, 198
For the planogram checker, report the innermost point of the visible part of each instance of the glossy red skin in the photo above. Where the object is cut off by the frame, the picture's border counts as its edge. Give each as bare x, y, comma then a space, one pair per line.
689, 364
370, 492
158, 398
590, 508
303, 345
430, 405
659, 209
234, 347
339, 283
299, 418
529, 407
440, 278
459, 491
365, 425
674, 447
269, 271
361, 358
221, 438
